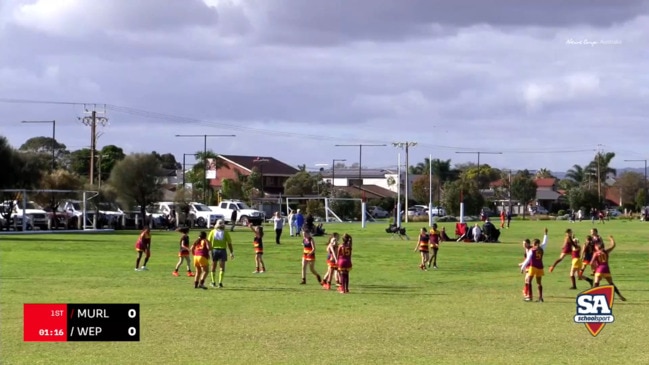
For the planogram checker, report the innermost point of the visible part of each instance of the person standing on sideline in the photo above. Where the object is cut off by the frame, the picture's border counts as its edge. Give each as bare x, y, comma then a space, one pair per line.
291, 222
502, 219
219, 240
278, 223
299, 222
233, 218
509, 217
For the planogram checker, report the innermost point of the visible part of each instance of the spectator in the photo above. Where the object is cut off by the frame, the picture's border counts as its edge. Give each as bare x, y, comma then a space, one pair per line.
233, 217
278, 224
476, 232
291, 222
299, 222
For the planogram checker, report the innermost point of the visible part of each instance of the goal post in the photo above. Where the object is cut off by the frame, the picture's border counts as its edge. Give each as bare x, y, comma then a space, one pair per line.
330, 214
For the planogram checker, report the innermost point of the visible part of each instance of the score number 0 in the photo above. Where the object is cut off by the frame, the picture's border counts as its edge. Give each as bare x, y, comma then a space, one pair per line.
132, 313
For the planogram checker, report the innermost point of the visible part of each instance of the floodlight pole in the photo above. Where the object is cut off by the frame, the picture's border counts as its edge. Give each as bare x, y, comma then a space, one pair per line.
405, 145
205, 156
360, 161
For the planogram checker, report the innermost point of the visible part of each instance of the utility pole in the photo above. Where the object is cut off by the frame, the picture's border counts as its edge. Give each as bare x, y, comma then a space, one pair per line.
53, 122
92, 121
645, 178
405, 145
360, 160
205, 156
261, 161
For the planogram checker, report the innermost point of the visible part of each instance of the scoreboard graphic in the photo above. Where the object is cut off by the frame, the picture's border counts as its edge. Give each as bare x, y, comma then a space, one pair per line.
81, 322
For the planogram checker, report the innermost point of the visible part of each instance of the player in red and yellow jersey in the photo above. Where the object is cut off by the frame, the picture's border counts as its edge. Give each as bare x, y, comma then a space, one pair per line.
183, 253
422, 246
434, 238
332, 257
201, 251
602, 270
586, 258
308, 256
345, 263
570, 247
527, 245
535, 260
258, 245
143, 245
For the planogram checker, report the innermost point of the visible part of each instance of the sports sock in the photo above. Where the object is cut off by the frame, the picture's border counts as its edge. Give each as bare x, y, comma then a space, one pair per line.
617, 291
212, 275
572, 280
589, 280
529, 290
195, 284
540, 291
146, 259
221, 276
202, 281
137, 263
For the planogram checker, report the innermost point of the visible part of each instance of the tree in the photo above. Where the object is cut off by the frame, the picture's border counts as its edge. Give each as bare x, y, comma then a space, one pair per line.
135, 179
421, 189
487, 175
600, 168
629, 183
167, 161
233, 188
18, 172
301, 183
458, 190
578, 174
583, 198
43, 146
252, 184
344, 209
110, 155
79, 161
57, 180
196, 176
523, 188
543, 173
640, 200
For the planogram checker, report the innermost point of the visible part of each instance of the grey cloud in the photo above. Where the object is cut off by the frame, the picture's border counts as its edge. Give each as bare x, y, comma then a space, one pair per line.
336, 21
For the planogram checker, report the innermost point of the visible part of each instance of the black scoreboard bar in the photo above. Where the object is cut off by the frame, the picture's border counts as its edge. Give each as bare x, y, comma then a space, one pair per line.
103, 322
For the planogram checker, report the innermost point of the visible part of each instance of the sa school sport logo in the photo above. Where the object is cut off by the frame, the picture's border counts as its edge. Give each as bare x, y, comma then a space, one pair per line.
595, 308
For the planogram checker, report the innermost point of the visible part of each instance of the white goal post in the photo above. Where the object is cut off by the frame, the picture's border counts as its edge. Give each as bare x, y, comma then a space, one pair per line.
329, 213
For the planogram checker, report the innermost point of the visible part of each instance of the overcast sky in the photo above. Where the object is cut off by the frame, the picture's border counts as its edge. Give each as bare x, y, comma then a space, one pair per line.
294, 78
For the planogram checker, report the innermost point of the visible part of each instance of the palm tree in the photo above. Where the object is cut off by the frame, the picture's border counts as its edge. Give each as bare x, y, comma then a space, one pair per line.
543, 174
578, 174
600, 166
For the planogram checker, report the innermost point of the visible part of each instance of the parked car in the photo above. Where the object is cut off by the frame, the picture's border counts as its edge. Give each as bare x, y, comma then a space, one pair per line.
613, 213
200, 213
245, 214
38, 216
378, 212
538, 210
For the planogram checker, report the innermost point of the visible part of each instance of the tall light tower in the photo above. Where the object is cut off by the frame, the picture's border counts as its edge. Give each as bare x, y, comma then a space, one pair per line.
406, 146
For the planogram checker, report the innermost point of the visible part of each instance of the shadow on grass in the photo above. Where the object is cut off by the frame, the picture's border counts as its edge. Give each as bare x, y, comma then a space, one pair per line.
269, 289
52, 239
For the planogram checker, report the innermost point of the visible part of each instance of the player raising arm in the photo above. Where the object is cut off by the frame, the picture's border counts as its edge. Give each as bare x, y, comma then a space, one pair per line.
535, 260
602, 270
571, 247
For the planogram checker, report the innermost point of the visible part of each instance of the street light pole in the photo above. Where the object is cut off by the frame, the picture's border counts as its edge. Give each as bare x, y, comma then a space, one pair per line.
204, 156
333, 173
53, 122
360, 160
184, 155
645, 177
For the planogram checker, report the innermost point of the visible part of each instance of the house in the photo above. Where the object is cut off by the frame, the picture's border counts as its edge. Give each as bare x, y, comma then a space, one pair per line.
367, 178
274, 173
547, 194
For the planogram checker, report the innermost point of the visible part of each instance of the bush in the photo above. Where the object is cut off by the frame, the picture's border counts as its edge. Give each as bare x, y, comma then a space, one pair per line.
448, 218
561, 212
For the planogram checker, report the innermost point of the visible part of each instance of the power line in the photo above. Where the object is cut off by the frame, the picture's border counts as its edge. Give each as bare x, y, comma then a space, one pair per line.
267, 132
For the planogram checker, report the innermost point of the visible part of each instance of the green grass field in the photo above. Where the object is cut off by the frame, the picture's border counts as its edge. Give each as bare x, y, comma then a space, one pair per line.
468, 311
